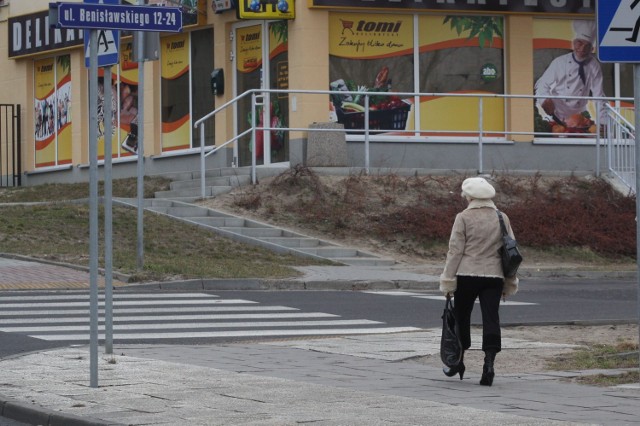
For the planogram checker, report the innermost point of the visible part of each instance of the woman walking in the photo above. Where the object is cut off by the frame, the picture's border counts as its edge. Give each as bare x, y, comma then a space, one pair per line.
473, 269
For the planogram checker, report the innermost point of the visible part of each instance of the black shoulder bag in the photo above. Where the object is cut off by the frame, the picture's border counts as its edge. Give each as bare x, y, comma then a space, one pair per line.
509, 252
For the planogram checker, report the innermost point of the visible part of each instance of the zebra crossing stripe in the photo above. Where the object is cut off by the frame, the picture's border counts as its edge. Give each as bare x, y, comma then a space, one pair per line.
131, 303
83, 296
235, 333
134, 309
182, 326
143, 318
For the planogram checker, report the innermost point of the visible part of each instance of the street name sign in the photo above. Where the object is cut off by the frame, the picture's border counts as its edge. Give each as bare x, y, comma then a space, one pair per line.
618, 30
118, 17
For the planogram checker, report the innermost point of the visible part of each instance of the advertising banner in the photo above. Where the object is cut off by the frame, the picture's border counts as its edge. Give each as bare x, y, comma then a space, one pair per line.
565, 64
63, 108
45, 112
176, 119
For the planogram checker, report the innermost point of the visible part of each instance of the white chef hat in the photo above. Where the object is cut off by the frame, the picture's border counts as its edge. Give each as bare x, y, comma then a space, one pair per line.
584, 30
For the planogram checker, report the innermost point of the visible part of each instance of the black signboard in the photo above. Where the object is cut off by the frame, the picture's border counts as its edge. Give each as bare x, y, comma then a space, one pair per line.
29, 34
506, 6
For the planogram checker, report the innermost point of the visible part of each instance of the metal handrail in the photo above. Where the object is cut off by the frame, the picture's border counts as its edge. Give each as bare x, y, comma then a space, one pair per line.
258, 96
621, 147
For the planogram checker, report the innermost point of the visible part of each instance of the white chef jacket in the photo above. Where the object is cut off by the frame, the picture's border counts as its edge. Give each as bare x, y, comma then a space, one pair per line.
561, 78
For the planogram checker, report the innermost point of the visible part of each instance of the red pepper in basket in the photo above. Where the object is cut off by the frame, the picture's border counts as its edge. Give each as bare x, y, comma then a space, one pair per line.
381, 78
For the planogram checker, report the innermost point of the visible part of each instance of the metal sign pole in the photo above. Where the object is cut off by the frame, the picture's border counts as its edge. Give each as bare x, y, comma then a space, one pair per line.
636, 100
140, 47
108, 209
93, 209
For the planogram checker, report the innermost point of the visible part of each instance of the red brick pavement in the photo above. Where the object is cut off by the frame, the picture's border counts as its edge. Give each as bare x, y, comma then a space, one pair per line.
28, 275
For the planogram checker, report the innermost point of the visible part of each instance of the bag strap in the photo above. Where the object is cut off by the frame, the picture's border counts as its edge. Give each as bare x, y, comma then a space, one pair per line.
502, 226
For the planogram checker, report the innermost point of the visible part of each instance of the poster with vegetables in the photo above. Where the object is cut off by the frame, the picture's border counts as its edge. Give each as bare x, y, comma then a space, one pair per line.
461, 55
371, 53
565, 64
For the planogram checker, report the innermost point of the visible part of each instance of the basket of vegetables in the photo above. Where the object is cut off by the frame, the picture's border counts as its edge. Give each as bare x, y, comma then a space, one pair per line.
387, 115
386, 112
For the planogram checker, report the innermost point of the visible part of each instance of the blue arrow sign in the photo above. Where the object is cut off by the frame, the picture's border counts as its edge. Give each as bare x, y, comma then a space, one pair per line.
618, 30
119, 17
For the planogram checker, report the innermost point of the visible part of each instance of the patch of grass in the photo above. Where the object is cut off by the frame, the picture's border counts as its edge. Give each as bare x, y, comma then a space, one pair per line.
172, 249
602, 357
621, 355
610, 380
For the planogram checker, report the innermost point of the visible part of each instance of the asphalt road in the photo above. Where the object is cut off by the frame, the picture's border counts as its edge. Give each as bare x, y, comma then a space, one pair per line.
207, 317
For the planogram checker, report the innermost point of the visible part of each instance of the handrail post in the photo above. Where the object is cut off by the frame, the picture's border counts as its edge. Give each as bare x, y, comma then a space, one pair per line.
366, 134
597, 139
202, 162
480, 135
253, 138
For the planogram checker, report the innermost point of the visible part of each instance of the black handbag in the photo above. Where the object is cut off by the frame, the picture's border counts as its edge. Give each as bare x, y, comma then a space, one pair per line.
509, 252
450, 345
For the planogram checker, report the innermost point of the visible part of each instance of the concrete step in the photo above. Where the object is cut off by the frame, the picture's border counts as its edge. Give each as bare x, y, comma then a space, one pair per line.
254, 232
232, 181
193, 192
332, 252
294, 242
365, 261
186, 188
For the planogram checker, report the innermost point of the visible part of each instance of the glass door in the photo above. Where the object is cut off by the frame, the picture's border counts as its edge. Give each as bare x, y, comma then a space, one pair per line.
261, 61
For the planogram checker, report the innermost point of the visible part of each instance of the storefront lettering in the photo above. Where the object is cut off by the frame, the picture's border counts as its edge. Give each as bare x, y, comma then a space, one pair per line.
30, 34
252, 37
379, 27
358, 44
523, 6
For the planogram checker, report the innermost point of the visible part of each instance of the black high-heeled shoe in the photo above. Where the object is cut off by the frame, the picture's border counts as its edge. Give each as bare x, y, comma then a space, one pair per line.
487, 369
452, 371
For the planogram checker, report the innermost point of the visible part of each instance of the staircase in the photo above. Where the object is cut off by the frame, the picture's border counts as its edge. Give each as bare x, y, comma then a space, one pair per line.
260, 234
186, 186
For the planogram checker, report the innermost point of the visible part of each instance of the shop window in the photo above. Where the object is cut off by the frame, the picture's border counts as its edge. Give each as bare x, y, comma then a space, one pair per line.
451, 54
52, 111
124, 105
187, 62
461, 55
371, 53
560, 49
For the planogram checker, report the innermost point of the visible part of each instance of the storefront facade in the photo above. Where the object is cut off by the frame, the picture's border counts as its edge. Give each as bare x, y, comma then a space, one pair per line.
448, 71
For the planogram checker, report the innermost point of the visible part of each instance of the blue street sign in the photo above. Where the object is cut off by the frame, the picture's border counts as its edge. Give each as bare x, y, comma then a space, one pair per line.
108, 42
119, 17
618, 30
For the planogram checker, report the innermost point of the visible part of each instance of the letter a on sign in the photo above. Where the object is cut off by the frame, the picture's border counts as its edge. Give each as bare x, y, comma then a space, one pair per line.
108, 42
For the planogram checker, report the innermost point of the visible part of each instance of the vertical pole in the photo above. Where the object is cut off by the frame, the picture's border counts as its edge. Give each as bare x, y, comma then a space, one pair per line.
202, 162
140, 47
636, 100
254, 120
366, 134
93, 208
598, 139
108, 221
480, 136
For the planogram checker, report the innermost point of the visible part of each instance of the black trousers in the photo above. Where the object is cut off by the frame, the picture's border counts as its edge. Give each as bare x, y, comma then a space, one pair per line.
489, 291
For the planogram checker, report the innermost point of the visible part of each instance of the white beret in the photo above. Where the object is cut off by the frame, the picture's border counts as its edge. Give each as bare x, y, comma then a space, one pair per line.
478, 188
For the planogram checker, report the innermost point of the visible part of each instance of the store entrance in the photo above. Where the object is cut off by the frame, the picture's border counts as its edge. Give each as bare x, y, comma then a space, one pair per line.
261, 60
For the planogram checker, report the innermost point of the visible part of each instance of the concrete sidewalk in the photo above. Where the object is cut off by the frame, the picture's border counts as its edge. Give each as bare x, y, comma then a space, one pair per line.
359, 380
355, 380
